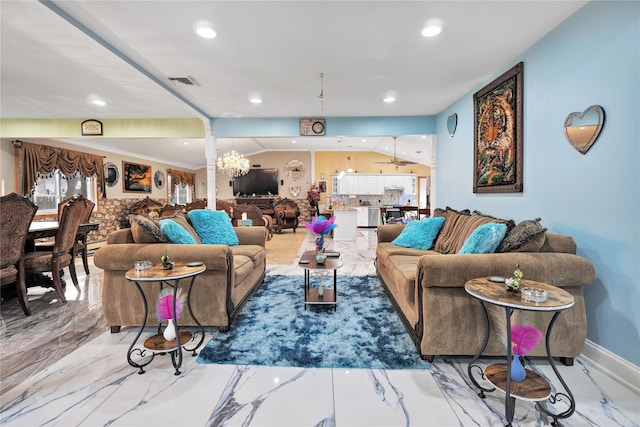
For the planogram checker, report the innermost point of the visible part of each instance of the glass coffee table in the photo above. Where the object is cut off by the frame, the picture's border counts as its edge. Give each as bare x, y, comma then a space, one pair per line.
320, 295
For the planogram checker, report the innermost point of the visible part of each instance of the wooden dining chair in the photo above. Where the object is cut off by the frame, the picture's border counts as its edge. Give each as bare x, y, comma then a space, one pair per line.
81, 243
61, 254
16, 214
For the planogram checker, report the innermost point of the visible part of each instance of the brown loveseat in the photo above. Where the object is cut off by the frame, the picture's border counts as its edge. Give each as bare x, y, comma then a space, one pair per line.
427, 289
233, 273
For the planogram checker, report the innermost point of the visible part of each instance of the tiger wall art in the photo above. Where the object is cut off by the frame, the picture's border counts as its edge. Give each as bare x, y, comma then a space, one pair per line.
498, 134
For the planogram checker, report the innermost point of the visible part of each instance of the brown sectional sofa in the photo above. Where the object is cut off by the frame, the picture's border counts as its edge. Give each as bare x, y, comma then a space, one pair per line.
233, 273
427, 290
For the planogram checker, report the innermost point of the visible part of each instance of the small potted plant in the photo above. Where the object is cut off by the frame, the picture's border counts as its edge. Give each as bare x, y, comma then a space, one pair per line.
166, 264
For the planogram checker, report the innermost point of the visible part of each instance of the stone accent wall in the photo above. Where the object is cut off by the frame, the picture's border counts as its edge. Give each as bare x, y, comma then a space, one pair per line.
113, 213
112, 216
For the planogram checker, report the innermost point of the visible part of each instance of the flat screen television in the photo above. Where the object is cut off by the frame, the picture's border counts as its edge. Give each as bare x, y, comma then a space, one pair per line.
258, 182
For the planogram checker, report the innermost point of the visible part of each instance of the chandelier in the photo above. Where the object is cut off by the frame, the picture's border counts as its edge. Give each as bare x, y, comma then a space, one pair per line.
233, 164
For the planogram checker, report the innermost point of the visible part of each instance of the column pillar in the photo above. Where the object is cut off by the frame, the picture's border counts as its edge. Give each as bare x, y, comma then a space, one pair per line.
211, 155
433, 199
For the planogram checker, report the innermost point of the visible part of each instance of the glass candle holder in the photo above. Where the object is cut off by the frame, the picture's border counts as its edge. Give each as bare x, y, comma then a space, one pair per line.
143, 265
530, 294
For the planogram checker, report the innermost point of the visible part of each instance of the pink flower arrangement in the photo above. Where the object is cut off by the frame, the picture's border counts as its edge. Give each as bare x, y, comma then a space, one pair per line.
320, 225
164, 305
524, 339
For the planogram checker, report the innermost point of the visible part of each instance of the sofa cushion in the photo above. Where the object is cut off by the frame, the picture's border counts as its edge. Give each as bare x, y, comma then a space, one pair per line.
508, 222
175, 232
242, 268
213, 227
145, 230
457, 227
182, 219
484, 239
419, 234
527, 236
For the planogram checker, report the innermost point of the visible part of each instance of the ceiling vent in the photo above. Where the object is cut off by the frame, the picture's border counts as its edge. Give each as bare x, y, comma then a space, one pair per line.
187, 81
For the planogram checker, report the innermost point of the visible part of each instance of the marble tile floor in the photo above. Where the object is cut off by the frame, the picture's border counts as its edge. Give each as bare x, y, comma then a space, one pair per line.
62, 367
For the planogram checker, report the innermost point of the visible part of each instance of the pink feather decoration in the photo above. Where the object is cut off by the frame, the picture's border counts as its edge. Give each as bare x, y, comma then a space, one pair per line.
164, 305
524, 339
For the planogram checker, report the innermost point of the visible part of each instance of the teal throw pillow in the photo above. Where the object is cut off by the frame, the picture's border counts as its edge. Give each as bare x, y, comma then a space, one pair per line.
484, 239
213, 227
419, 234
176, 233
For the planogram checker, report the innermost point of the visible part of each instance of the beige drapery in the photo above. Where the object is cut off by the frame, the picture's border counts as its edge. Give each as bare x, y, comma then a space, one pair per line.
182, 178
43, 159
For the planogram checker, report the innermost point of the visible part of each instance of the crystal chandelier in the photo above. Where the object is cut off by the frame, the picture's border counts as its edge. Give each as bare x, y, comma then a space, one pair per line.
233, 164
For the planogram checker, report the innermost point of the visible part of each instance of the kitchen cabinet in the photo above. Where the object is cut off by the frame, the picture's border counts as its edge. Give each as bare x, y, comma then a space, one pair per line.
370, 184
374, 184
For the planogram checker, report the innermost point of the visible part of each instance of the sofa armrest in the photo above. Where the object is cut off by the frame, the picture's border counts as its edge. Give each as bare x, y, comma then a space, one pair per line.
386, 233
454, 270
123, 235
122, 257
256, 235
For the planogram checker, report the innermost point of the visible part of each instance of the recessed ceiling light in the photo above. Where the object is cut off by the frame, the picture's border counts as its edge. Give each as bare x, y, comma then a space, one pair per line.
206, 32
389, 99
185, 143
293, 142
432, 30
256, 100
364, 140
99, 102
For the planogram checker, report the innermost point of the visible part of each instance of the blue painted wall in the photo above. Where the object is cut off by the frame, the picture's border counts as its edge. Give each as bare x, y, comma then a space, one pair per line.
335, 126
591, 58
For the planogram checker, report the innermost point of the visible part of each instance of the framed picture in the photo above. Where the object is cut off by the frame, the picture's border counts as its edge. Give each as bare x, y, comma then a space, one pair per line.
497, 134
322, 186
136, 178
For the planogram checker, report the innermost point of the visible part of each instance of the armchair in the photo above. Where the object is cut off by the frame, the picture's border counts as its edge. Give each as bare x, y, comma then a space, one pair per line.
286, 215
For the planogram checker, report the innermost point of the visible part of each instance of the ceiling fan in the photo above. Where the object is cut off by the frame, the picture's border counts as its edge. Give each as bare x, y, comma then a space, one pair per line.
395, 160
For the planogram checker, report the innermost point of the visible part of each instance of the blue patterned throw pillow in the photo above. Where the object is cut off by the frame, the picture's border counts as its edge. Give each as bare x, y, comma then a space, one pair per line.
213, 227
484, 239
419, 234
176, 233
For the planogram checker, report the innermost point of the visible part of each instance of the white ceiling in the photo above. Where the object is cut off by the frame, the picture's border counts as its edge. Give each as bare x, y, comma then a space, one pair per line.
53, 62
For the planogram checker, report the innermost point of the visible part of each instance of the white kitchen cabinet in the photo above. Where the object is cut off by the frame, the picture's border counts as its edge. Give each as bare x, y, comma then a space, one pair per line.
370, 184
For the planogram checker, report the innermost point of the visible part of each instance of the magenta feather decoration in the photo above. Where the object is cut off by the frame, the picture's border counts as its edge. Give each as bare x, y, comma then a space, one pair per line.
524, 339
320, 225
164, 305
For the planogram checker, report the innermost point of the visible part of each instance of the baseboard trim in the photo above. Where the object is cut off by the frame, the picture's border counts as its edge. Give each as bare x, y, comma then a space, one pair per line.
621, 370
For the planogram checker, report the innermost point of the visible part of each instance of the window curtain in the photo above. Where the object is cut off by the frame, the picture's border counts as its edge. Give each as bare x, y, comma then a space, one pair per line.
43, 159
182, 178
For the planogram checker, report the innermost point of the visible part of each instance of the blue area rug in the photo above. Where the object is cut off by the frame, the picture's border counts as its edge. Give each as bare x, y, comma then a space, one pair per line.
274, 329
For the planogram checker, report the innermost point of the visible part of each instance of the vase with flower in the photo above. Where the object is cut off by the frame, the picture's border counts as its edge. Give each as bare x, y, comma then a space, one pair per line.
165, 311
523, 339
320, 227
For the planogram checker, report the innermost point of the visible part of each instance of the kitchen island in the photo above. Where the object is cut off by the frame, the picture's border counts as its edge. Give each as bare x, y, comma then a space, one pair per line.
346, 224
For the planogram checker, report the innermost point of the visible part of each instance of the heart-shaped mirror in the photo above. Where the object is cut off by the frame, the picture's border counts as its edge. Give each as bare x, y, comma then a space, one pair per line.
582, 129
452, 124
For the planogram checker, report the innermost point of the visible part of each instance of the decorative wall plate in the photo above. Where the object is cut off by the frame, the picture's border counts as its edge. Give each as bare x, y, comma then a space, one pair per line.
111, 174
582, 129
158, 179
